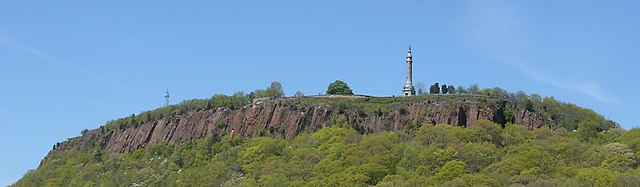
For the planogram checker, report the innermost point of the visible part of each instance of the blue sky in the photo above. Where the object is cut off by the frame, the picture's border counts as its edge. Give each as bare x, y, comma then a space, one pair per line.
72, 65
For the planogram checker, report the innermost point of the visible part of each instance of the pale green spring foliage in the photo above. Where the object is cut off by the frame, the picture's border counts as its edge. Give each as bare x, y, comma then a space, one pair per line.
435, 155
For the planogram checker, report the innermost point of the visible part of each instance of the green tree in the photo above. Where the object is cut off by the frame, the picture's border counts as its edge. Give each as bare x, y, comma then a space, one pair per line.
450, 170
374, 172
273, 172
433, 158
478, 156
409, 160
256, 151
275, 90
445, 89
629, 179
420, 87
514, 134
440, 135
487, 131
509, 117
83, 132
238, 100
340, 88
462, 90
595, 177
631, 138
618, 158
474, 180
392, 181
451, 89
351, 176
473, 89
435, 88
587, 131
525, 159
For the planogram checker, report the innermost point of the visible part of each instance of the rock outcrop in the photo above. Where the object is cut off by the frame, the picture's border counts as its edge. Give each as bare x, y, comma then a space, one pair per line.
288, 117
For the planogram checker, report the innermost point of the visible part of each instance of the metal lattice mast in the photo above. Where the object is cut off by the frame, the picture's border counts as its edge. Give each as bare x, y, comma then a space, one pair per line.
166, 97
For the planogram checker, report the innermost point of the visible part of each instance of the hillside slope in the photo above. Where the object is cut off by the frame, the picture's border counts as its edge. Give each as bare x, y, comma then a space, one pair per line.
288, 117
198, 133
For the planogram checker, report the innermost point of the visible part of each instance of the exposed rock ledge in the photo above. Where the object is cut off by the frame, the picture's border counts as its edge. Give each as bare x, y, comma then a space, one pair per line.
286, 118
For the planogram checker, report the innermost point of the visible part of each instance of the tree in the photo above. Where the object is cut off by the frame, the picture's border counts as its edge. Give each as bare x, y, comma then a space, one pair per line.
340, 88
420, 87
450, 170
275, 90
435, 89
587, 131
632, 139
618, 158
238, 100
487, 131
462, 90
595, 177
473, 180
257, 94
451, 89
478, 156
445, 89
83, 132
473, 89
524, 159
299, 94
514, 134
209, 106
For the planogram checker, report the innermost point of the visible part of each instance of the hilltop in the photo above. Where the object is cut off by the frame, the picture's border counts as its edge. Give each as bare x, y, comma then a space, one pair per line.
233, 138
286, 117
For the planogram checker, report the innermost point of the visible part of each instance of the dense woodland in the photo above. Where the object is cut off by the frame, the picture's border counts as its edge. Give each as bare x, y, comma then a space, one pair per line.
582, 148
435, 155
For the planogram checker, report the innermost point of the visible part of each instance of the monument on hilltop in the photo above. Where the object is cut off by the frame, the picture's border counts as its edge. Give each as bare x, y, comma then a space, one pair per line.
408, 89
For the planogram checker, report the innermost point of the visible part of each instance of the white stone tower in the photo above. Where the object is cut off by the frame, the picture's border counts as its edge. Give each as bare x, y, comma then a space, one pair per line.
408, 89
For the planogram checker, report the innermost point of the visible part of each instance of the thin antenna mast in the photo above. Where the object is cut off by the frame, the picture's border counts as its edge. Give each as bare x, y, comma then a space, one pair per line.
166, 96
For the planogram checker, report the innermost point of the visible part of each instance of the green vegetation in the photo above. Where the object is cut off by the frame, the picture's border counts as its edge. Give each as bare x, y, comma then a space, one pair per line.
274, 90
339, 88
437, 89
563, 116
583, 148
236, 101
435, 155
373, 105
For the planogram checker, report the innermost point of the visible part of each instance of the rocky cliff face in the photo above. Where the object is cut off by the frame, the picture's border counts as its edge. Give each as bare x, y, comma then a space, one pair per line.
288, 117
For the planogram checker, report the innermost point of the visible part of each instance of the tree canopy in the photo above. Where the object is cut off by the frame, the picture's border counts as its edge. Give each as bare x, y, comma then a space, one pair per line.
435, 155
339, 88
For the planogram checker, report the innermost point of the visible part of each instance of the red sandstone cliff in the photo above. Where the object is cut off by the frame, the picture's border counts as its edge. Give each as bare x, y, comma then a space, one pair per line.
285, 118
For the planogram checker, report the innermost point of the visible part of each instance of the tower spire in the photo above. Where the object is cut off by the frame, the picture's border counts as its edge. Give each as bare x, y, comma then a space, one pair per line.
166, 97
408, 89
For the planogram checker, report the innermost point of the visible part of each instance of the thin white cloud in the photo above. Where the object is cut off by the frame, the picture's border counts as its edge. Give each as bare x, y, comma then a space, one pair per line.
595, 91
591, 89
502, 30
52, 60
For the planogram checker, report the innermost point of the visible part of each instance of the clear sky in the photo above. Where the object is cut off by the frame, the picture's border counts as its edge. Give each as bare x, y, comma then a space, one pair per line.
72, 65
